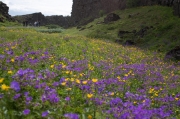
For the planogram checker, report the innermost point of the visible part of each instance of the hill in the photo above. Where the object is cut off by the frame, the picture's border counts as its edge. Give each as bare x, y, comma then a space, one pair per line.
149, 27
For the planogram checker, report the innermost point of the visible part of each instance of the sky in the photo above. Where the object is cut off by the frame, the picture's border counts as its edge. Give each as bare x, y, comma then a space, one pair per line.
46, 7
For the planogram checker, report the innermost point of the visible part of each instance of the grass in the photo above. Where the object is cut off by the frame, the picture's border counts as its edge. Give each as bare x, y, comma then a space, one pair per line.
69, 76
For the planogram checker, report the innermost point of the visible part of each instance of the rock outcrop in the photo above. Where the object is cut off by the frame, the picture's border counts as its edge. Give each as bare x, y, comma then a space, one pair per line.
4, 15
174, 53
176, 6
30, 19
111, 17
83, 9
86, 9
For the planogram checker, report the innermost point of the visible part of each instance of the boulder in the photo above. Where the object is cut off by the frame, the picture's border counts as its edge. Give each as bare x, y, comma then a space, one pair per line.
111, 17
129, 43
174, 53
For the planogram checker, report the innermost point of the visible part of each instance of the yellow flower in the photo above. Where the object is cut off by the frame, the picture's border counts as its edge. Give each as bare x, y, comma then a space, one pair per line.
81, 74
89, 117
64, 66
78, 81
112, 93
156, 94
72, 79
119, 77
90, 95
94, 80
10, 72
84, 82
4, 87
67, 72
12, 60
63, 83
69, 89
177, 99
52, 66
1, 80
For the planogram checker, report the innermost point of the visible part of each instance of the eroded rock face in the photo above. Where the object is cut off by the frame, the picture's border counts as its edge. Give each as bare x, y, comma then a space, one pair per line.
4, 15
176, 6
83, 9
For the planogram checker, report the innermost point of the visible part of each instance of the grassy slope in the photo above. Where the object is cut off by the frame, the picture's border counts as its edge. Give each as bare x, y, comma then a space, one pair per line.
163, 37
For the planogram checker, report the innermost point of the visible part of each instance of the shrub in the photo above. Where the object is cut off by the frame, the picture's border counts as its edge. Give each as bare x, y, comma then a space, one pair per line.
101, 13
52, 26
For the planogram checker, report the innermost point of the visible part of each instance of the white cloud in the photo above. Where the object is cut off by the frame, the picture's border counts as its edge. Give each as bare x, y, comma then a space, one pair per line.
46, 7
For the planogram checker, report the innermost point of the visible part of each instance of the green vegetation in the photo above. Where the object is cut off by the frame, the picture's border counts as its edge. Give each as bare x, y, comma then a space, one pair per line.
52, 26
83, 74
133, 3
53, 30
9, 24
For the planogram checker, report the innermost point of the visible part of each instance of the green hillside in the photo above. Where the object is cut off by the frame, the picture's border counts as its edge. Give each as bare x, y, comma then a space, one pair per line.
162, 37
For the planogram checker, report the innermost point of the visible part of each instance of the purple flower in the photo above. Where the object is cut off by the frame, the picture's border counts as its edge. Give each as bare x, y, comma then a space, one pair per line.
71, 116
15, 85
17, 96
44, 114
55, 84
26, 111
67, 98
178, 103
28, 98
1, 96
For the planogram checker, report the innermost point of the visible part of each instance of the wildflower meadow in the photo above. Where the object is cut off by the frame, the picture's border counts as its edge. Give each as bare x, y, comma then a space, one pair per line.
57, 76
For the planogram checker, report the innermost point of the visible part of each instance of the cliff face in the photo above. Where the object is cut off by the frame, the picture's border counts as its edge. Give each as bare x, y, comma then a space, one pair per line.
44, 20
4, 9
176, 6
91, 8
31, 18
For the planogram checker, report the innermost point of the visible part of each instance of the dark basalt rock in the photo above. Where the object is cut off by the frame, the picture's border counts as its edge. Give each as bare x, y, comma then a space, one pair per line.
111, 17
83, 9
4, 9
174, 53
176, 7
129, 43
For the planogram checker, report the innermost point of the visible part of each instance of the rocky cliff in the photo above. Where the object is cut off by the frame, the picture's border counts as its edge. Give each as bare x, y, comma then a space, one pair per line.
84, 9
91, 8
4, 9
30, 19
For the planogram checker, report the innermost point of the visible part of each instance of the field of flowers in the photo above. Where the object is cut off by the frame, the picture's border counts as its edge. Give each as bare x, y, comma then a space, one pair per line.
64, 77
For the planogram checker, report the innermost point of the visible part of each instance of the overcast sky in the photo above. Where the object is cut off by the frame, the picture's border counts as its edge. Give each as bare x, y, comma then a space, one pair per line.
46, 7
